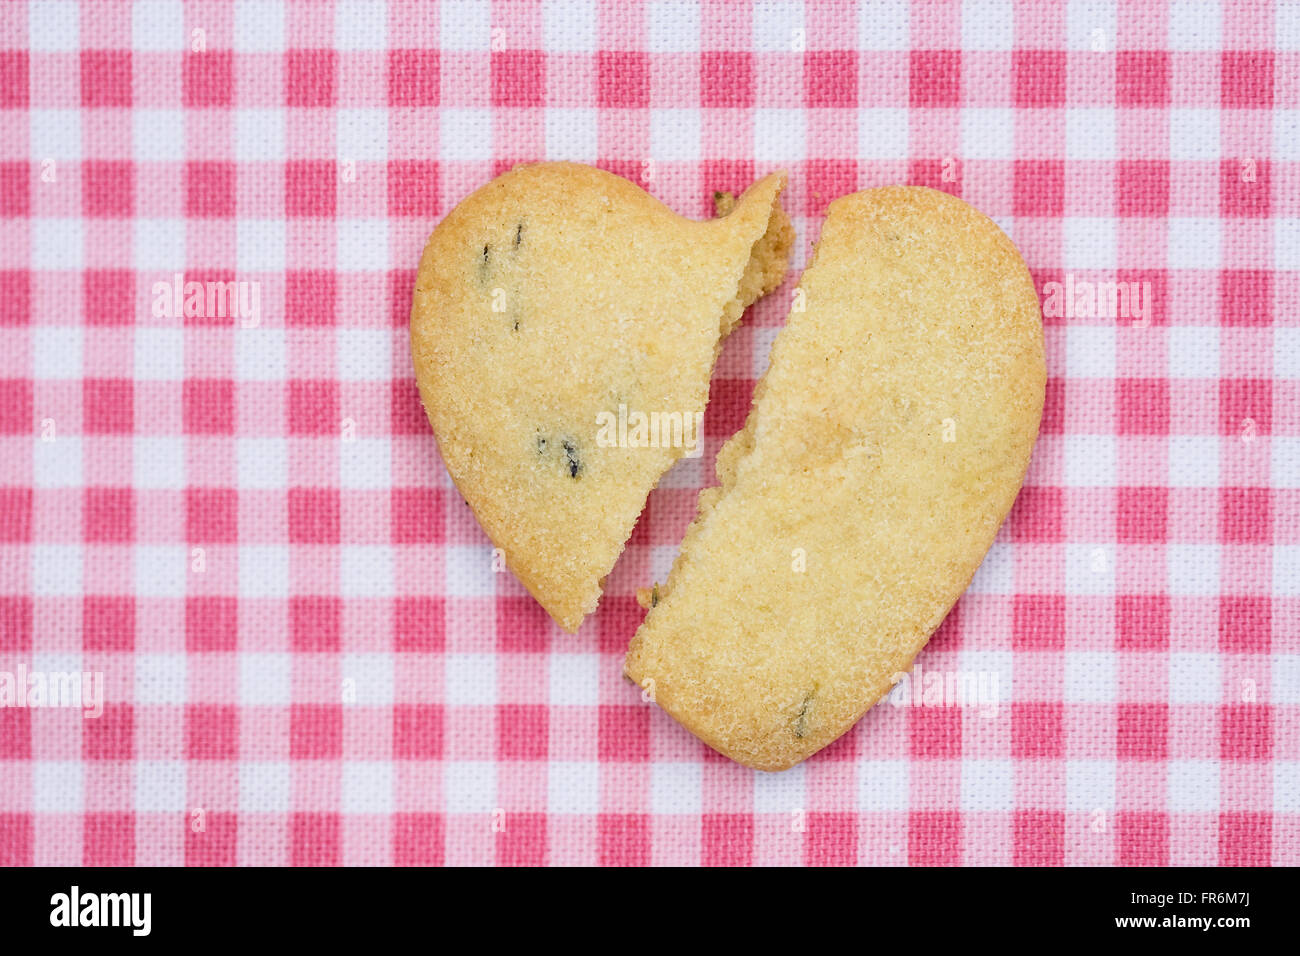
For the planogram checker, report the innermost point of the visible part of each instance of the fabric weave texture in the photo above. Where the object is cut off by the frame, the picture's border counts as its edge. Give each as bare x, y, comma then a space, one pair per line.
237, 518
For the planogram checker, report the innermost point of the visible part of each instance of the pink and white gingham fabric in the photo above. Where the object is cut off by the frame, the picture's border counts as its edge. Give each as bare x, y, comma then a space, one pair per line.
244, 526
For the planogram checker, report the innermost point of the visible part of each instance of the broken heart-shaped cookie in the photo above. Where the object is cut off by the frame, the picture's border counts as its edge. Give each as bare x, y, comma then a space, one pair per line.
564, 328
885, 446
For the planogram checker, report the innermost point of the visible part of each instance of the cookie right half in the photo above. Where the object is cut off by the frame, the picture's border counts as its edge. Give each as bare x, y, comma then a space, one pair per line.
885, 446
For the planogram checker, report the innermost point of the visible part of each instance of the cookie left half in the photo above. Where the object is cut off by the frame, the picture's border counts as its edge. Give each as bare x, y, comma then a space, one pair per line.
564, 328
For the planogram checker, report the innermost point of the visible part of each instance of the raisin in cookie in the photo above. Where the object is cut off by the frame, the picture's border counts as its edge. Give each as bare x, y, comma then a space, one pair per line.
551, 301
886, 444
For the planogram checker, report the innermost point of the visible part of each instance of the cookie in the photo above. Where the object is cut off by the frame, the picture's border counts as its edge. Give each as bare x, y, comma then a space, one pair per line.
885, 446
564, 328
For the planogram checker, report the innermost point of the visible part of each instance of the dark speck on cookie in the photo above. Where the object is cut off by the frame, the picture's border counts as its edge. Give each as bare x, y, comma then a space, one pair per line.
571, 457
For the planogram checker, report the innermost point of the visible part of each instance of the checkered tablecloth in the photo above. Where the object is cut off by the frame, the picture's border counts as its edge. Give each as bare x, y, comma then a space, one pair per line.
241, 525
